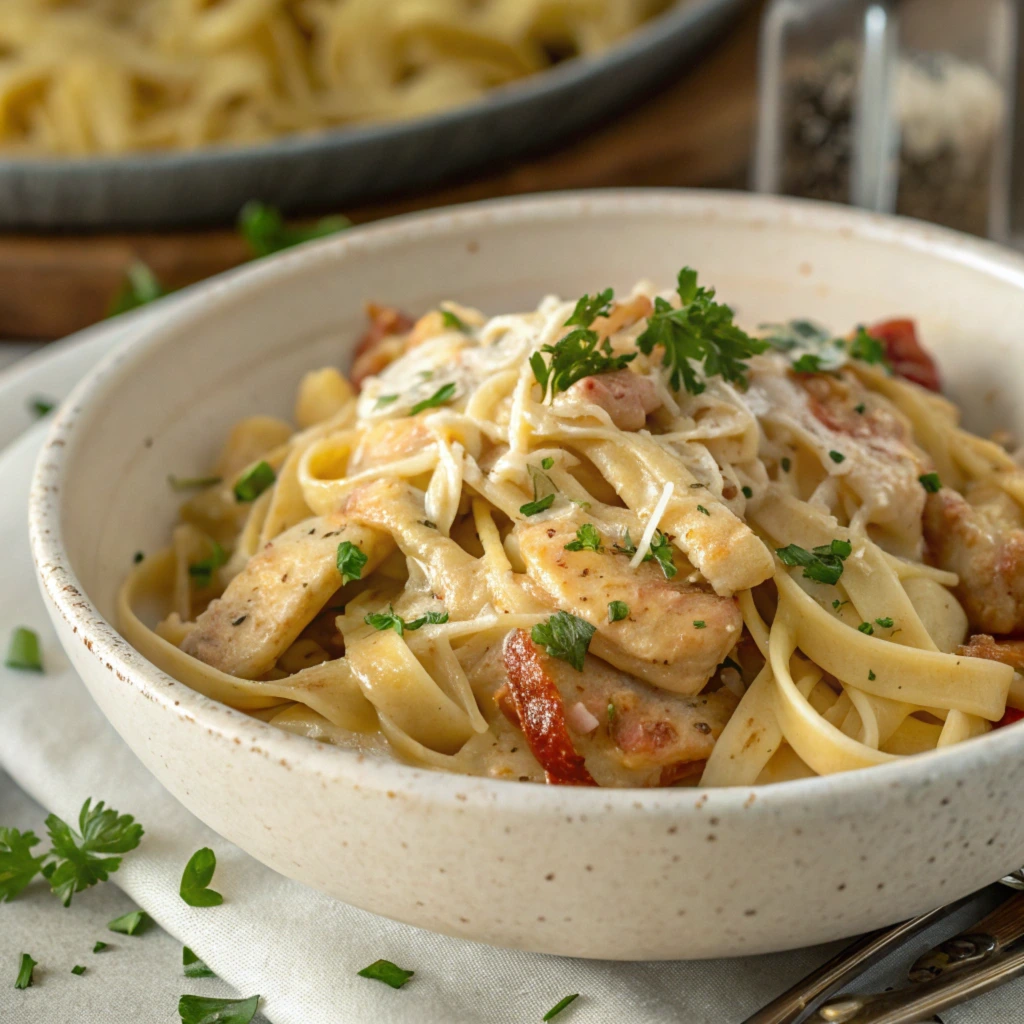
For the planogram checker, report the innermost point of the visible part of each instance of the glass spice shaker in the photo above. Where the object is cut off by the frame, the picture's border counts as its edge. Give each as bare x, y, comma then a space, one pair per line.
898, 106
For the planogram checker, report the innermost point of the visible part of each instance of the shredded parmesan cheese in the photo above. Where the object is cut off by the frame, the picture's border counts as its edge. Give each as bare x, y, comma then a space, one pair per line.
652, 524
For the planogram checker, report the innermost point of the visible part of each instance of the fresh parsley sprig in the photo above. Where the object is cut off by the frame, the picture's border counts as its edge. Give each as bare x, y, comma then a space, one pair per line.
824, 564
564, 636
18, 864
391, 620
587, 539
701, 331
196, 878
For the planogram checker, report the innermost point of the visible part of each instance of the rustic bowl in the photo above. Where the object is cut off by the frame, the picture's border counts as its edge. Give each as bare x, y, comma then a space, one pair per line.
624, 874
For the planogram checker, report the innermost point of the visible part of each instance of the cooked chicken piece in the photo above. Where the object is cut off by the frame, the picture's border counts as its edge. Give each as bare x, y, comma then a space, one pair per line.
389, 441
644, 737
383, 342
979, 536
627, 397
278, 593
676, 633
834, 400
906, 355
397, 508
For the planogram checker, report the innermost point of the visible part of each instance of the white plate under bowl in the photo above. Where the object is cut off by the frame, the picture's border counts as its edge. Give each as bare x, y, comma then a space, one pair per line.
621, 874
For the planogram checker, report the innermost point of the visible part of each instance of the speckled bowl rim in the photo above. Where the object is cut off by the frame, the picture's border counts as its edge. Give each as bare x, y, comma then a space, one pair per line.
820, 797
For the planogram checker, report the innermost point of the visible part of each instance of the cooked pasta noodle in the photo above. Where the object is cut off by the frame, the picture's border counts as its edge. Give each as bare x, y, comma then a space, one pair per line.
613, 543
109, 76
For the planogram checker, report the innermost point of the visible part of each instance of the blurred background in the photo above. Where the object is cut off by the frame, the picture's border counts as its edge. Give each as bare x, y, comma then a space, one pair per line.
147, 144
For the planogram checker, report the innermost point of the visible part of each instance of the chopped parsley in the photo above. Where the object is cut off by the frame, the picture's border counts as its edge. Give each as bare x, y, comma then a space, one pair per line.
42, 406
564, 636
748, 492
547, 463
574, 357
617, 610
824, 564
25, 971
23, 651
660, 551
531, 508
387, 972
885, 623
837, 604
203, 570
216, 1010
702, 510
254, 481
871, 676
99, 947
860, 408
808, 363
195, 880
590, 307
443, 394
266, 231
866, 627
837, 457
868, 349
192, 966
611, 713
786, 464
699, 624
389, 620
351, 561
701, 330
384, 400
587, 539
454, 322
140, 287
190, 483
78, 969
559, 1007
930, 482
129, 924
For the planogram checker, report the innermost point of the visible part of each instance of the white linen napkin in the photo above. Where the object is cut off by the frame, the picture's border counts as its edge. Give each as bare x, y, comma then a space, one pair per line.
298, 948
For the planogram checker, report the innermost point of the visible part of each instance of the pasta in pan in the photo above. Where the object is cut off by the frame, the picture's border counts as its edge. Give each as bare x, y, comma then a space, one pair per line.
110, 76
614, 543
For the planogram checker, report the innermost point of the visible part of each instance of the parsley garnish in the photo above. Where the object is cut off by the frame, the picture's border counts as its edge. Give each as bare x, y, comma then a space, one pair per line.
866, 627
140, 287
871, 676
702, 510
207, 1010
587, 539
930, 482
203, 570
590, 307
531, 508
837, 604
254, 481
617, 610
443, 394
23, 651
17, 864
454, 322
824, 564
25, 971
384, 970
564, 636
138, 557
130, 923
886, 623
860, 408
266, 231
659, 551
193, 966
41, 406
701, 330
547, 463
808, 363
574, 357
350, 560
837, 457
99, 947
559, 1007
190, 483
699, 624
867, 348
389, 620
196, 878
78, 969
786, 464
385, 400
748, 492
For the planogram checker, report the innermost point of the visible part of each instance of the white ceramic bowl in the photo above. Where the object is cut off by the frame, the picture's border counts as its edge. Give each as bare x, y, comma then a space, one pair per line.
623, 874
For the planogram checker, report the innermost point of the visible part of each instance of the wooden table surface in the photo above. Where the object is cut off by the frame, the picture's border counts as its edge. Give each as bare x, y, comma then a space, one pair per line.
697, 132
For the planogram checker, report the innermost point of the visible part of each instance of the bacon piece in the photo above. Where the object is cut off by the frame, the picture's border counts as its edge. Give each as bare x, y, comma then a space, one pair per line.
906, 354
625, 396
379, 345
541, 713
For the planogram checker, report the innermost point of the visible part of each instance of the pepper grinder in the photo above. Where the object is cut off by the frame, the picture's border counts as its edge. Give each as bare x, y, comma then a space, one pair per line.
897, 106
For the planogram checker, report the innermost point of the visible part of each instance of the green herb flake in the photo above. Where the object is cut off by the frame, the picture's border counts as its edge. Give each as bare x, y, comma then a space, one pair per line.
574, 357
930, 482
351, 561
885, 623
385, 400
786, 464
41, 406
78, 969
611, 713
547, 463
837, 604
254, 481
443, 394
190, 483
699, 624
531, 508
560, 1006
387, 972
213, 1010
454, 322
99, 947
617, 611
196, 878
23, 651
866, 627
202, 571
860, 408
564, 636
837, 457
823, 565
390, 620
701, 330
138, 557
130, 923
266, 231
748, 493
871, 676
25, 971
808, 363
587, 539
867, 348
192, 966
661, 552
140, 287
703, 511
590, 307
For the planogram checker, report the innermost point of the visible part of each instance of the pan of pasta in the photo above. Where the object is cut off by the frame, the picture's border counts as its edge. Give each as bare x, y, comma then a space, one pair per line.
462, 565
154, 112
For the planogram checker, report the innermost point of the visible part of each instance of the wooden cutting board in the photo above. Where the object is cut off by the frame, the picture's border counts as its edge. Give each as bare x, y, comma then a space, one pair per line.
697, 132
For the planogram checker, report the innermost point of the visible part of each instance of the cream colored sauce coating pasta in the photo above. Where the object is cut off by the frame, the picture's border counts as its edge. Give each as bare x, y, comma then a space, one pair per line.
493, 507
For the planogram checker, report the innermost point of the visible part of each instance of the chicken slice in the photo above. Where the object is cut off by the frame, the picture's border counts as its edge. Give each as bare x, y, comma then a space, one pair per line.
980, 537
382, 343
627, 397
676, 633
278, 593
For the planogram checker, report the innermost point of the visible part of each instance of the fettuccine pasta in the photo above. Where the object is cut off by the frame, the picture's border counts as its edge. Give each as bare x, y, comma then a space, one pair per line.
615, 543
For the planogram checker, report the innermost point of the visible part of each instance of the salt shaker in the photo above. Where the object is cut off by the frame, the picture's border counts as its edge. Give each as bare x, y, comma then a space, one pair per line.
898, 106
